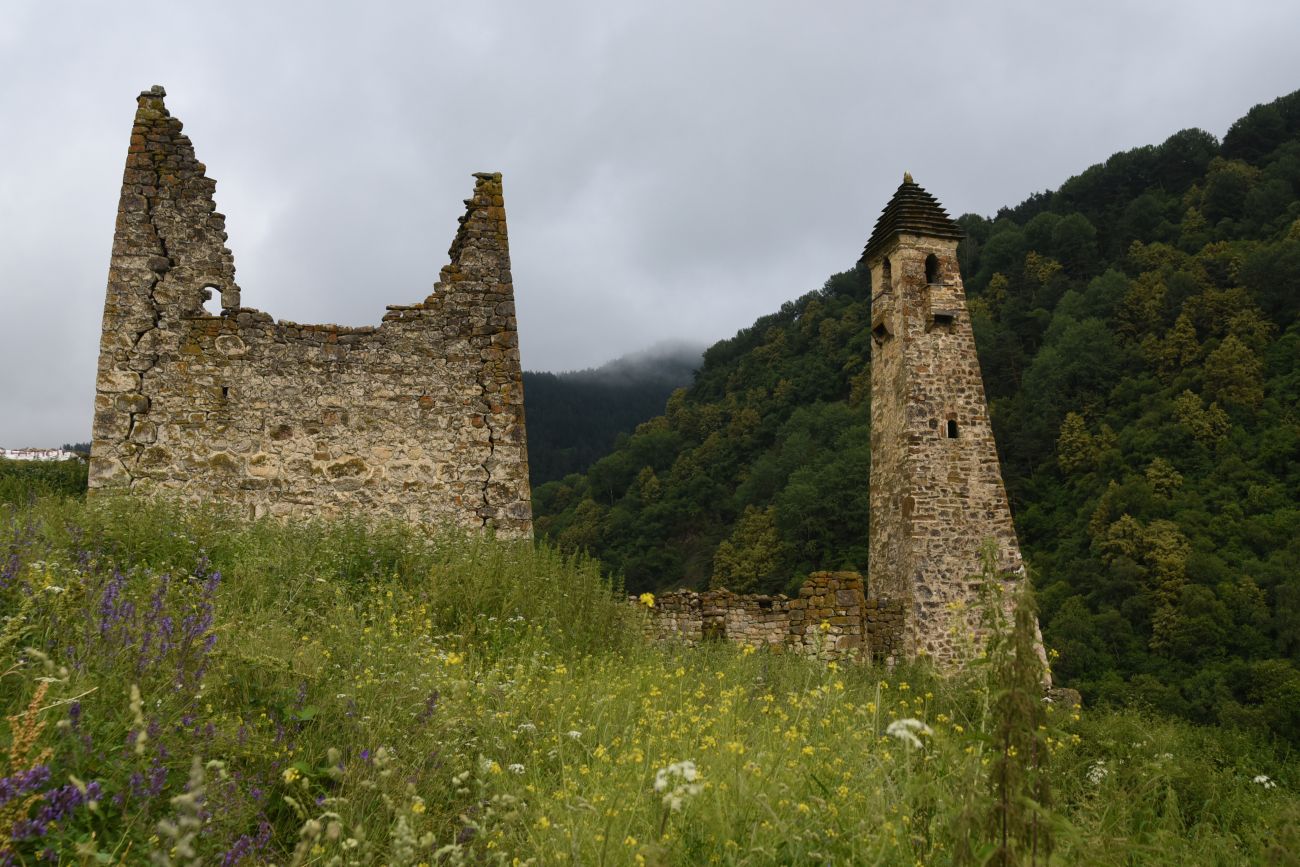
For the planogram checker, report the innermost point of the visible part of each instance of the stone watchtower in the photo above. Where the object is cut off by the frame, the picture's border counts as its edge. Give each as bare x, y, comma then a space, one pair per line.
936, 486
419, 419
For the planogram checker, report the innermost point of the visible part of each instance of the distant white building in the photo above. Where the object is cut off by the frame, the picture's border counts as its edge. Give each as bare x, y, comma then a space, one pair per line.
37, 454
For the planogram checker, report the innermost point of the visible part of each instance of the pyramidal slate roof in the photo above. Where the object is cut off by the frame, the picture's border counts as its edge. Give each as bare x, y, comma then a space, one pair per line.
914, 211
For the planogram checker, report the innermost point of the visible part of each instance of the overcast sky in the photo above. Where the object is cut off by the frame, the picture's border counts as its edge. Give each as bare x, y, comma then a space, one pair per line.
672, 169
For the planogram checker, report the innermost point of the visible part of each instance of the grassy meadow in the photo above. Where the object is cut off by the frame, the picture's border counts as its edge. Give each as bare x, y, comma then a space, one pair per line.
183, 687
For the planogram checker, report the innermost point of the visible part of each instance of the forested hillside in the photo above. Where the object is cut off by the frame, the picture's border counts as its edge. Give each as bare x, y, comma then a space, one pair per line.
1138, 333
574, 417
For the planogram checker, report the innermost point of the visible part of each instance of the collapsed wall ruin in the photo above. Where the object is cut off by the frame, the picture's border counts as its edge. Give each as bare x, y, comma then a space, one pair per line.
420, 418
832, 618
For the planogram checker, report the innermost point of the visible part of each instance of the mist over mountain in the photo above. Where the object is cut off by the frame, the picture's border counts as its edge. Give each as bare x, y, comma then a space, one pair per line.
668, 362
575, 417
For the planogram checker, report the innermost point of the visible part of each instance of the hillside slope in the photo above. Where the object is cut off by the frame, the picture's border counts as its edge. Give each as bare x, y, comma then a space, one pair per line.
1139, 340
574, 417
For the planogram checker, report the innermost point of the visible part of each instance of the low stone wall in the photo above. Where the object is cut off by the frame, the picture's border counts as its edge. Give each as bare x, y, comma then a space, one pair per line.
884, 625
832, 618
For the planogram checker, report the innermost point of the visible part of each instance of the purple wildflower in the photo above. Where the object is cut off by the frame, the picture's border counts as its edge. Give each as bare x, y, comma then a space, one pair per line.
247, 846
56, 806
10, 570
23, 783
430, 707
110, 610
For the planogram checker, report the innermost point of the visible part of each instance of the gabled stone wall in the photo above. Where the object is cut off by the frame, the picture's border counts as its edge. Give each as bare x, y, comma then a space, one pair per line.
831, 618
420, 418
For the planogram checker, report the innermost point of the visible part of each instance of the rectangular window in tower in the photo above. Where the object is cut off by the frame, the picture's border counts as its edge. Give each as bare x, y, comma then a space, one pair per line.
951, 429
942, 320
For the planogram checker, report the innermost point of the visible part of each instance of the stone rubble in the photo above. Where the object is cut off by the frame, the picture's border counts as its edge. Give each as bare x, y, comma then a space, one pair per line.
831, 619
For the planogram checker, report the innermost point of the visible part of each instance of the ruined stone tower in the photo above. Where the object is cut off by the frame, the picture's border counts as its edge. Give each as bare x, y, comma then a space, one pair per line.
420, 418
936, 486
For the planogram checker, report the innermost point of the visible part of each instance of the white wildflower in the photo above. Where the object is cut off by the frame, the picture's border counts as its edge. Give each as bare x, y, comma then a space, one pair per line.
1097, 772
526, 727
677, 782
907, 729
515, 768
1265, 781
574, 734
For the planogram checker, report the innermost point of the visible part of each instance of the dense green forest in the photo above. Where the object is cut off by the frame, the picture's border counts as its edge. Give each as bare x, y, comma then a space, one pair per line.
575, 417
1138, 333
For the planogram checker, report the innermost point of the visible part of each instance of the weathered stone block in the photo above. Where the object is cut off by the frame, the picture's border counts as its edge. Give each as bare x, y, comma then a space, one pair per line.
132, 403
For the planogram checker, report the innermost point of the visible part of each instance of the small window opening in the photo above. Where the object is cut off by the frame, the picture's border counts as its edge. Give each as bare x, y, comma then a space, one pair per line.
886, 275
880, 333
952, 429
931, 269
942, 320
225, 392
212, 300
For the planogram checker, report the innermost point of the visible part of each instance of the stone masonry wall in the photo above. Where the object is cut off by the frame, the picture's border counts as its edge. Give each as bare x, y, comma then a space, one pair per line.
935, 497
420, 418
831, 618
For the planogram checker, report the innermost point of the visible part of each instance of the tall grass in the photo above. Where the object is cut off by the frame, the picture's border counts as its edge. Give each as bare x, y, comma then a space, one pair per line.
22, 482
183, 686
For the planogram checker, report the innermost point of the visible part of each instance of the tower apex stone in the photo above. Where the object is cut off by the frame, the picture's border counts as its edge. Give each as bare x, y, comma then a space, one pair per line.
911, 211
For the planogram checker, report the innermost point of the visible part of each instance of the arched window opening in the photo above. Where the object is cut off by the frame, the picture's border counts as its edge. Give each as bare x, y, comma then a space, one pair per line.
952, 429
212, 300
886, 275
932, 269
